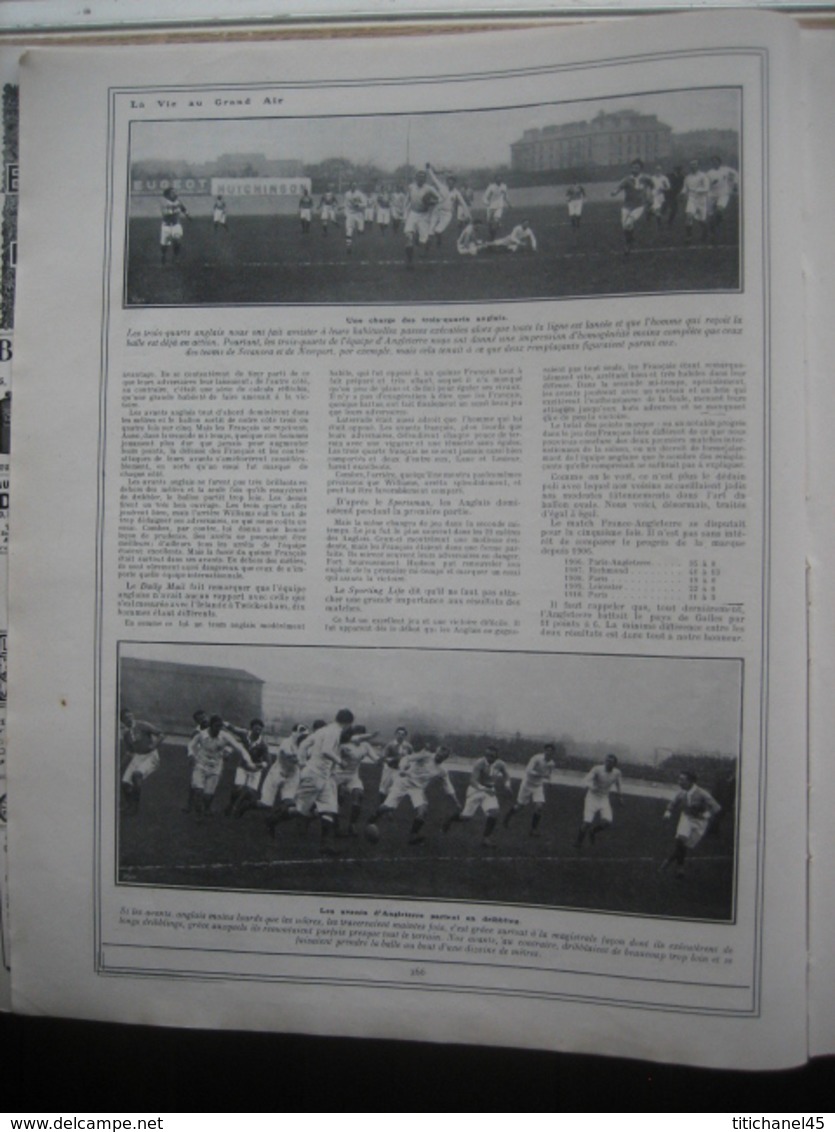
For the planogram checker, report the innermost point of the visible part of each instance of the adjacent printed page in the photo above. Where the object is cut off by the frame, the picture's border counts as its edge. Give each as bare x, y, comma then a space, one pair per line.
8, 262
819, 80
408, 589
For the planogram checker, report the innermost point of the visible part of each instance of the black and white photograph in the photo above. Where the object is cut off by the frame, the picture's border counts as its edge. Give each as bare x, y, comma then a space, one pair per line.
638, 194
596, 782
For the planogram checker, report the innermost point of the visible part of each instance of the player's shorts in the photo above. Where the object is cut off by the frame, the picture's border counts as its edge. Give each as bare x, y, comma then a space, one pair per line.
279, 784
205, 778
441, 220
305, 213
575, 208
248, 779
170, 233
401, 789
369, 214
349, 780
629, 217
476, 800
696, 207
141, 765
691, 829
531, 792
219, 217
354, 222
659, 199
495, 213
384, 216
719, 203
388, 778
419, 224
328, 213
319, 791
595, 806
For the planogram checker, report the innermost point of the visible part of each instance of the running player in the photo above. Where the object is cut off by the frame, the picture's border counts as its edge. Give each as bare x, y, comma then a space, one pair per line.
696, 189
249, 777
660, 191
532, 787
695, 808
328, 207
354, 205
139, 744
305, 211
601, 783
634, 188
723, 181
393, 752
171, 234
575, 196
201, 723
450, 203
219, 215
370, 207
208, 749
417, 771
383, 214
278, 789
495, 200
349, 785
421, 199
489, 774
317, 784
398, 207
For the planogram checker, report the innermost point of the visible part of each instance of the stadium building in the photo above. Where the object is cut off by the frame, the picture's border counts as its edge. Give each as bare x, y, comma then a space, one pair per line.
608, 141
166, 693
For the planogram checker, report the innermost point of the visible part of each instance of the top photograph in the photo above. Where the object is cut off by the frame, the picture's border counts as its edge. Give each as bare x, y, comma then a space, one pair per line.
638, 194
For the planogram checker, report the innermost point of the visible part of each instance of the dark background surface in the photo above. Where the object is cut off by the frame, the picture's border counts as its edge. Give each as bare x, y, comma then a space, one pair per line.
72, 1067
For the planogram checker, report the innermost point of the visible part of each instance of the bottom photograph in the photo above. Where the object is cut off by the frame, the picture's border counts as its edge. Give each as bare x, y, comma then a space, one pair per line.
606, 783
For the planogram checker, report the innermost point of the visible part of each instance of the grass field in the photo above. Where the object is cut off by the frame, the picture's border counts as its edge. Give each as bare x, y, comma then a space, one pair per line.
164, 846
266, 260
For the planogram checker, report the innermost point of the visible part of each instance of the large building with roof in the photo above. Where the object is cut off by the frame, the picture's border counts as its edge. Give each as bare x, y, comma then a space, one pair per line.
167, 693
608, 141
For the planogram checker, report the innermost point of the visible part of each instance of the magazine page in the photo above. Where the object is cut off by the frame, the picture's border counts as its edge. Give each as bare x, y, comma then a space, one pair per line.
410, 561
818, 47
8, 261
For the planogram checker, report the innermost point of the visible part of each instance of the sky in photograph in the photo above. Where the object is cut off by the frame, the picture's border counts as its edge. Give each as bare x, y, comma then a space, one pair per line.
451, 139
642, 702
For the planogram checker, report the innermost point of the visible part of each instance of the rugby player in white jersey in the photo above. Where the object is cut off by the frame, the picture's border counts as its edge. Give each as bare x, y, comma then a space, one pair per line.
519, 238
421, 199
417, 771
349, 784
696, 809
207, 750
488, 776
354, 205
575, 196
171, 233
722, 181
495, 201
280, 783
532, 787
316, 793
602, 783
219, 215
695, 191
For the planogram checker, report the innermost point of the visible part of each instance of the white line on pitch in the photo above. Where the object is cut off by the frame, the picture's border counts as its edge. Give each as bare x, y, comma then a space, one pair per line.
338, 859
